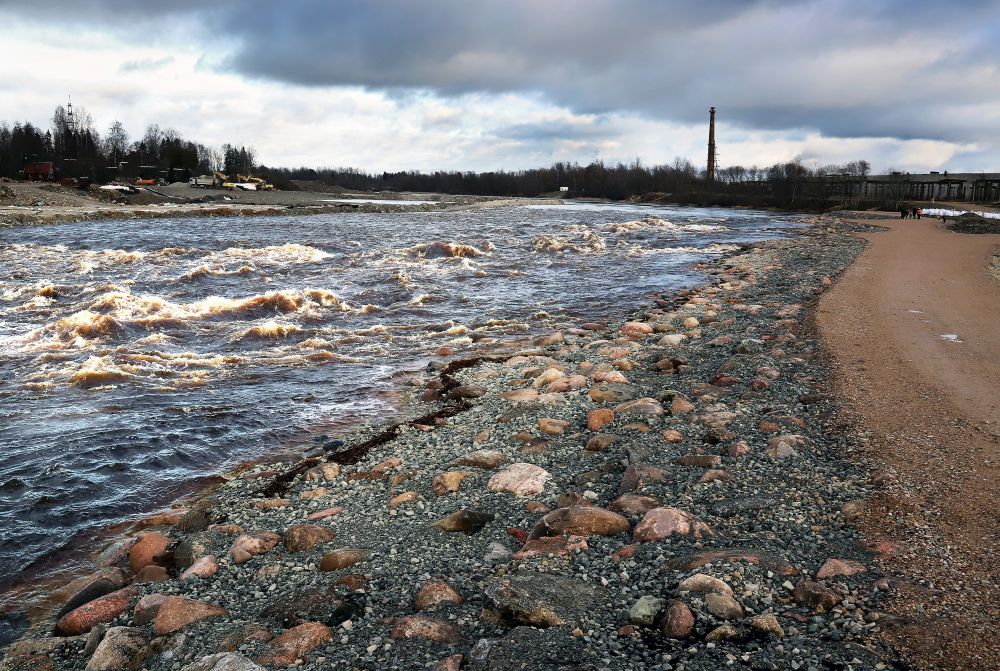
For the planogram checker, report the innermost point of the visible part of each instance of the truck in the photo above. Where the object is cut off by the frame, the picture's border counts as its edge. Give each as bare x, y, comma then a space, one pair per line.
202, 182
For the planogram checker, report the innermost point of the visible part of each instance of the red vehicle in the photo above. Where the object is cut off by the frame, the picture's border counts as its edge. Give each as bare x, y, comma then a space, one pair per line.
39, 171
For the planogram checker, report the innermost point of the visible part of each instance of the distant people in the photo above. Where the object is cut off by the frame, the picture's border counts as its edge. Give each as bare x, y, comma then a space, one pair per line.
913, 213
920, 212
903, 212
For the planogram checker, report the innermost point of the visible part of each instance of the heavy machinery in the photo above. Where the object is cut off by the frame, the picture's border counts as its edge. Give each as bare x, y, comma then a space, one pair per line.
221, 181
261, 184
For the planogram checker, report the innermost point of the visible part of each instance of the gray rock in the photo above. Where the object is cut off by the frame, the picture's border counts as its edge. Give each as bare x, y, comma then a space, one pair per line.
117, 649
644, 611
225, 661
537, 600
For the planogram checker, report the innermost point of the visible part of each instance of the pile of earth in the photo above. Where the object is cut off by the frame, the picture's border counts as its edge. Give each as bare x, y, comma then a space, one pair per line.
974, 223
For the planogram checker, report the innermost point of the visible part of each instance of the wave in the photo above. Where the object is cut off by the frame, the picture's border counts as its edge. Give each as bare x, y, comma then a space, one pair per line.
584, 242
656, 223
443, 250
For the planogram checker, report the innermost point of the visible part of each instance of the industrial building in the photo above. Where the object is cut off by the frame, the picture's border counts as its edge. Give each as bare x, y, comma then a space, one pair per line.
972, 187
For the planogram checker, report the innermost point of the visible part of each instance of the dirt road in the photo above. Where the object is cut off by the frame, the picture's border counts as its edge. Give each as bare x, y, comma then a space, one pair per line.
914, 329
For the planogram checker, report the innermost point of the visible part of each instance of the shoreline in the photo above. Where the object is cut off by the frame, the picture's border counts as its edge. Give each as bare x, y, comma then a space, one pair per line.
684, 471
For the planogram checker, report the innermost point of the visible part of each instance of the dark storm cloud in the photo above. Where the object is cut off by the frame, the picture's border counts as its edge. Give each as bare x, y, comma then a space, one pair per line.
905, 69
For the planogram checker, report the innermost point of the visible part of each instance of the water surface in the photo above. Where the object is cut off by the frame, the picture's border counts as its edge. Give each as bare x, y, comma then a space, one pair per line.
137, 355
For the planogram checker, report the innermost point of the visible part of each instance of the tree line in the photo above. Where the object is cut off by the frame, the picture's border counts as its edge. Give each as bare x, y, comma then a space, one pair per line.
790, 184
78, 149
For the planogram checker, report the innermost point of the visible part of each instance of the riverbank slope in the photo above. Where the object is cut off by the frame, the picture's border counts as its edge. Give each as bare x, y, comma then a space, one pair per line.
668, 491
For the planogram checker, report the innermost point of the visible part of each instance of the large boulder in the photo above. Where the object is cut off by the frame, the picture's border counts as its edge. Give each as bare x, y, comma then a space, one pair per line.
99, 611
580, 521
537, 600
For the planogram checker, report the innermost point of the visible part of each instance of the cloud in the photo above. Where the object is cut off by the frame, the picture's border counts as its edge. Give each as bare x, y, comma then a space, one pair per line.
145, 64
896, 71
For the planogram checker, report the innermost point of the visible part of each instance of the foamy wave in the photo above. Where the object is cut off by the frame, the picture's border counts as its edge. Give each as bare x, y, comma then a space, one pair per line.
275, 254
584, 242
99, 371
269, 331
441, 250
656, 223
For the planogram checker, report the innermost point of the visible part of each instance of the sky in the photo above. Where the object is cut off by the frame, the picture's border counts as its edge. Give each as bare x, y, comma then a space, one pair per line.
379, 85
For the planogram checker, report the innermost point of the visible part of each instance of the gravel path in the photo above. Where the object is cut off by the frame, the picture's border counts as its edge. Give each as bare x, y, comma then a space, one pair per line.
667, 492
913, 327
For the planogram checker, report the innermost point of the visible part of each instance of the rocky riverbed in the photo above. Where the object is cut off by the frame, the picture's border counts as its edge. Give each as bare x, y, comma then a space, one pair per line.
667, 492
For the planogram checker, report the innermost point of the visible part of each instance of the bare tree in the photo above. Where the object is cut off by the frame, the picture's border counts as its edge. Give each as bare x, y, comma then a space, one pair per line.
116, 143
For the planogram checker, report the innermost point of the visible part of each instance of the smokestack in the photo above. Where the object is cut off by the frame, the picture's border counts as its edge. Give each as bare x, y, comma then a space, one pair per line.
711, 144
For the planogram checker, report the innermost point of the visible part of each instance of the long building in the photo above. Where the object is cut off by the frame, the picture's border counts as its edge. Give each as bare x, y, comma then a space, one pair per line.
978, 187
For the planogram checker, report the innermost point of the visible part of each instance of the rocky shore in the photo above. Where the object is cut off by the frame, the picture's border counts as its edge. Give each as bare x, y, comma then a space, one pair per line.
667, 492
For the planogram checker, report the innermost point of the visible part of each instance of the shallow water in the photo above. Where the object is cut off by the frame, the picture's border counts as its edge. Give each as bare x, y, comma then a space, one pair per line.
137, 355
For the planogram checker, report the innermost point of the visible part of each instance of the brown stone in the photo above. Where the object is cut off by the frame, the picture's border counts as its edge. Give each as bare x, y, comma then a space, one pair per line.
146, 549
323, 514
678, 622
699, 460
417, 626
244, 633
310, 494
845, 567
680, 406
607, 392
640, 406
637, 475
520, 395
89, 587
294, 643
580, 521
633, 504
702, 582
177, 612
672, 435
436, 593
247, 546
449, 663
597, 418
553, 427
660, 523
99, 611
767, 624
738, 449
151, 573
322, 472
485, 459
355, 582
449, 481
147, 608
696, 560
723, 606
814, 595
405, 497
271, 504
342, 558
520, 479
600, 442
559, 546
465, 521
305, 537
203, 568
713, 475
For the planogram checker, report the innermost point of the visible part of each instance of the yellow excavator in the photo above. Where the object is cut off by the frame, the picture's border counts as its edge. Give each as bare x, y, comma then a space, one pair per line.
221, 181
262, 184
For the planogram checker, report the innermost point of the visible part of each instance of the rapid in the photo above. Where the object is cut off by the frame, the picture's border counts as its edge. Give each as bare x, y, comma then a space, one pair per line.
139, 356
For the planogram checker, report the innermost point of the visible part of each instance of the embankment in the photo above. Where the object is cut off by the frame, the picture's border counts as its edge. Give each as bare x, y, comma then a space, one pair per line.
671, 491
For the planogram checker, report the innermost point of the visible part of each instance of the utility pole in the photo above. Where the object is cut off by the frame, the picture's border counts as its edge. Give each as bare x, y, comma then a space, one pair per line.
711, 145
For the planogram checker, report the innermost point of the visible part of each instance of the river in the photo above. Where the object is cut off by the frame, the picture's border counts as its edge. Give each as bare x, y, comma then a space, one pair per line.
136, 356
